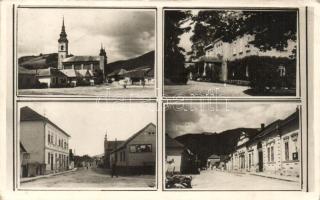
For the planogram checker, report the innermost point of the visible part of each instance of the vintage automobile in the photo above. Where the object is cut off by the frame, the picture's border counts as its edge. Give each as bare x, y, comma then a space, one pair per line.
178, 181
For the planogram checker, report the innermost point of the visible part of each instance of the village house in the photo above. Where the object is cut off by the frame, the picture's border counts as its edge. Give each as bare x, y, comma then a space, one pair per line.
213, 160
228, 61
183, 159
27, 78
275, 149
137, 155
46, 144
51, 78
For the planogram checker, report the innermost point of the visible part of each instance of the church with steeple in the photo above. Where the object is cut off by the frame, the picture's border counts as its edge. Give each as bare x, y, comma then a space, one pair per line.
80, 69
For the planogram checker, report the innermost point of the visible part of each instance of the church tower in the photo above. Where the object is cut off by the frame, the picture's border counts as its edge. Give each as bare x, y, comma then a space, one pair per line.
103, 60
106, 152
63, 46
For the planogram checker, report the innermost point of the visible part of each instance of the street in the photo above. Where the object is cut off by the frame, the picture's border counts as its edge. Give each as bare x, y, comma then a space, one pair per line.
196, 88
97, 90
218, 180
92, 178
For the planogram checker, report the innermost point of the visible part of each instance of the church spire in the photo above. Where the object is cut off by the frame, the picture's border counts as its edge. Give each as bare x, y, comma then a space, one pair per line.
63, 34
102, 51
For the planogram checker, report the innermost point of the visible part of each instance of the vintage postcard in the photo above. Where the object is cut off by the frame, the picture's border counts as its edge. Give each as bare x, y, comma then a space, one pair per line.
109, 52
235, 146
87, 145
230, 52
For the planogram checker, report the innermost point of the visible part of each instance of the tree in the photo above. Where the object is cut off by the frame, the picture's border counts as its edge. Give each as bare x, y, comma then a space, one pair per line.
174, 58
272, 29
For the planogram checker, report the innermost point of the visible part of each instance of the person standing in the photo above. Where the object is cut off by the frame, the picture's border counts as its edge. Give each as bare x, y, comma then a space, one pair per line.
114, 168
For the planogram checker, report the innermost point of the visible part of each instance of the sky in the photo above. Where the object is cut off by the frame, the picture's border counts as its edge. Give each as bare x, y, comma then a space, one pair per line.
87, 123
185, 37
125, 33
195, 118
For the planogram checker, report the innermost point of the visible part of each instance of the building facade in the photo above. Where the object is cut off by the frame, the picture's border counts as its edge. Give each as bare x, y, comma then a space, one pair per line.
51, 77
216, 63
275, 149
82, 65
137, 155
46, 144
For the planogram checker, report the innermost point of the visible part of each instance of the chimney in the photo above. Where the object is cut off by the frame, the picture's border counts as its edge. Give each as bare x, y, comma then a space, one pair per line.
262, 126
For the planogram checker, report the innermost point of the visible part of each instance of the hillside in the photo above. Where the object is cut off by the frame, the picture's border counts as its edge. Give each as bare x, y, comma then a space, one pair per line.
51, 60
206, 144
146, 59
39, 62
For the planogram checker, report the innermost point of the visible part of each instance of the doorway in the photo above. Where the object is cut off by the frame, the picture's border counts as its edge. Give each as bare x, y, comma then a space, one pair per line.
260, 155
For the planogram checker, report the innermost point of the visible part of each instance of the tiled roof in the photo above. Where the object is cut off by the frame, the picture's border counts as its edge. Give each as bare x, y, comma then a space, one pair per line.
137, 73
69, 72
84, 73
22, 148
276, 125
82, 59
27, 114
117, 72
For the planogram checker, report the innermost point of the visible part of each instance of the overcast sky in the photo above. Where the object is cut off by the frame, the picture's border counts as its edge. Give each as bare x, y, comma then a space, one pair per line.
197, 118
87, 123
124, 33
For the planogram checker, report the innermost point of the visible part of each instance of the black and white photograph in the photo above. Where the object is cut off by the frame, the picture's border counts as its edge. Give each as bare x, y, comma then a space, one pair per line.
232, 146
87, 145
231, 52
86, 52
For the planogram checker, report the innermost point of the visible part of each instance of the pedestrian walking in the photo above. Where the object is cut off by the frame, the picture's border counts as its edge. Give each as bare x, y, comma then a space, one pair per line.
114, 169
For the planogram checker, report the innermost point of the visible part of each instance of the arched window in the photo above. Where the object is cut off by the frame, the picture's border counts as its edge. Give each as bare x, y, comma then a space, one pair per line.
62, 47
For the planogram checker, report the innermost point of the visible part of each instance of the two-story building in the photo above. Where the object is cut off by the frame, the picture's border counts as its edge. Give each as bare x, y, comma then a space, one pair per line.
45, 142
275, 149
137, 155
217, 65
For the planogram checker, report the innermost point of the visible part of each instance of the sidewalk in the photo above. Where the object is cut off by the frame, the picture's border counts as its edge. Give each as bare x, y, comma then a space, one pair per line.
267, 175
29, 179
275, 176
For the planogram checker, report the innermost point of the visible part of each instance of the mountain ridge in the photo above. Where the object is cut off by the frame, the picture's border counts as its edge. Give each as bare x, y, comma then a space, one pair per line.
205, 144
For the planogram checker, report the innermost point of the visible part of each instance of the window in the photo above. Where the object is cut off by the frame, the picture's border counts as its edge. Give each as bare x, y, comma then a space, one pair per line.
272, 154
268, 154
62, 47
140, 148
294, 138
48, 138
49, 157
286, 150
